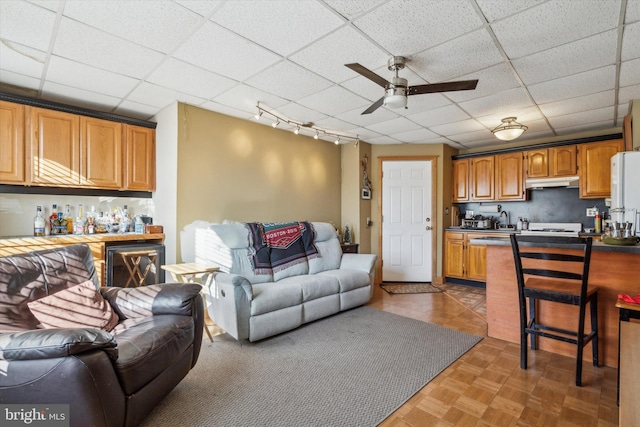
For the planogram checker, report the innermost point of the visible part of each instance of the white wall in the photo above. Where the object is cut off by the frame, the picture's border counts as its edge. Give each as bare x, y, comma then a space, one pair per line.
165, 196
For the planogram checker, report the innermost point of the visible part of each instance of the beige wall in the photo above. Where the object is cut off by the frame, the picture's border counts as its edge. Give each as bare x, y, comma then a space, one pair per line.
355, 210
239, 170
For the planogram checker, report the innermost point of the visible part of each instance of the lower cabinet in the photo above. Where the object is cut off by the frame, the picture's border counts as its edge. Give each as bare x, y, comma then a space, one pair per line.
463, 259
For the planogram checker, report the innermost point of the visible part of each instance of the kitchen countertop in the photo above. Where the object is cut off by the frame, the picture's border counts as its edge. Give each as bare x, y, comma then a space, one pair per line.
597, 245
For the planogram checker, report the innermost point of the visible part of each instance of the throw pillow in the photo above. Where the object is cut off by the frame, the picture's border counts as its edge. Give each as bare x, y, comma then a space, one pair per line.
80, 306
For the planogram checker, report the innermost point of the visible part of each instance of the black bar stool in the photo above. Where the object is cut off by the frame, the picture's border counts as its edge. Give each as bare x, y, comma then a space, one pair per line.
555, 275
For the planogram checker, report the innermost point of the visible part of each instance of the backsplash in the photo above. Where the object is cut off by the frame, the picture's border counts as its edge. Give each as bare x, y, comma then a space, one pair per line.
18, 210
547, 205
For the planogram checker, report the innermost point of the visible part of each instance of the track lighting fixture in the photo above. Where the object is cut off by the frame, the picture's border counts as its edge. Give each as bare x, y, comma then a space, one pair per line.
300, 126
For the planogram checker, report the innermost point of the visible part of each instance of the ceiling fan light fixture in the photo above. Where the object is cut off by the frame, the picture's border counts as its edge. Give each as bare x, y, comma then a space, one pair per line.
395, 101
509, 130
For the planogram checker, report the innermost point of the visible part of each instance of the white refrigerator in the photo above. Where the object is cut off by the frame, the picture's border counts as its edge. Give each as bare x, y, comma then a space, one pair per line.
625, 187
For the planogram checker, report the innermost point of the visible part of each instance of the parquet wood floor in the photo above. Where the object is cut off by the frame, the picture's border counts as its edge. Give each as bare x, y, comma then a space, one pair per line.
486, 386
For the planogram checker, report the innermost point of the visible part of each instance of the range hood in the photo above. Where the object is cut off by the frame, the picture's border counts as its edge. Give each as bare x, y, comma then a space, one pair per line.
563, 181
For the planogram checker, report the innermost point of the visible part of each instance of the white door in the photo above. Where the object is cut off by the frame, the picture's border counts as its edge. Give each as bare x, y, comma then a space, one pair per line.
406, 221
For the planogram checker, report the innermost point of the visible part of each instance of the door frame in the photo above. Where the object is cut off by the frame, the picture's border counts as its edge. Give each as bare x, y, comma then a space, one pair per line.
434, 188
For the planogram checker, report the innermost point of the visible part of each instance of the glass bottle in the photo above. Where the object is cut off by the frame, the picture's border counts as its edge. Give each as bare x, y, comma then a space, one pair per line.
79, 222
53, 217
39, 223
68, 219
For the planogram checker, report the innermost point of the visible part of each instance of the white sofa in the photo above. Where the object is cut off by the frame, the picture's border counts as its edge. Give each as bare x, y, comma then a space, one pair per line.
253, 304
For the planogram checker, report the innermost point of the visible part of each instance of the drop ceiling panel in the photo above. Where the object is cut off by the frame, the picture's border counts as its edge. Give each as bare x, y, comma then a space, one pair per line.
465, 54
554, 23
34, 31
297, 82
222, 52
70, 73
352, 9
397, 125
442, 115
507, 103
358, 119
495, 9
136, 110
18, 80
593, 81
495, 79
630, 72
159, 25
597, 115
399, 26
157, 96
419, 135
579, 104
90, 46
629, 93
201, 83
334, 99
453, 129
583, 55
328, 55
78, 97
299, 113
22, 59
631, 41
245, 98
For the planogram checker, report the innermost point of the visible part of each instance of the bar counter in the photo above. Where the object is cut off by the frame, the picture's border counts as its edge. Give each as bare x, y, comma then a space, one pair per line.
97, 242
614, 269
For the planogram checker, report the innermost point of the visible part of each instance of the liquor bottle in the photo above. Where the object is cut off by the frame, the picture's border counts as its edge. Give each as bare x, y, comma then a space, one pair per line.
39, 223
53, 217
59, 225
79, 223
68, 219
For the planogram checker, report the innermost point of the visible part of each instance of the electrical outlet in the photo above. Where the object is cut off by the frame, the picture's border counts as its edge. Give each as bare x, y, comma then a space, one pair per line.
591, 211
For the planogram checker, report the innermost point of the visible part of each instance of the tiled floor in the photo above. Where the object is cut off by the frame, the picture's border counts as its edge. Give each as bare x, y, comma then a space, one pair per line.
486, 386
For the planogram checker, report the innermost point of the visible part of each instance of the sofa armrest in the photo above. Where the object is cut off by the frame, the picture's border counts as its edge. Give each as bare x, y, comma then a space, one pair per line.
52, 343
143, 301
362, 262
234, 280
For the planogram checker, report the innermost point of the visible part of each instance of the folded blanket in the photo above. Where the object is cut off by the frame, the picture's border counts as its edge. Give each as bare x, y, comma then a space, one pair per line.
280, 245
630, 299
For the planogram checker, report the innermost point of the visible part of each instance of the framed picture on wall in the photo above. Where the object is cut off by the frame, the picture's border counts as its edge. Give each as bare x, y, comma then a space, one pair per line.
366, 193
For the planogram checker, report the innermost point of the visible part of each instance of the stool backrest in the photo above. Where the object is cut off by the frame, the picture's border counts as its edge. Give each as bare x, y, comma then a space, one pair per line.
550, 248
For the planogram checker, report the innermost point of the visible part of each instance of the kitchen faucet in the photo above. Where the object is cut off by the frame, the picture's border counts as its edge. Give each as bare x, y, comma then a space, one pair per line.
507, 215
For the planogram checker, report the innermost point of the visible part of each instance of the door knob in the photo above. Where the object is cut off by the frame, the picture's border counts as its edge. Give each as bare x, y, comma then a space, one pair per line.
428, 228
428, 219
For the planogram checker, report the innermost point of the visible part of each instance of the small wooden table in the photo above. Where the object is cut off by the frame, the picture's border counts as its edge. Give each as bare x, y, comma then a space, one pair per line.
627, 311
191, 272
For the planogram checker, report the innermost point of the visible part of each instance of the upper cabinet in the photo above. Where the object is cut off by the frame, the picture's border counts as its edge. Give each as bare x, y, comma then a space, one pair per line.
51, 148
481, 179
140, 158
55, 148
551, 162
460, 181
595, 167
12, 144
510, 176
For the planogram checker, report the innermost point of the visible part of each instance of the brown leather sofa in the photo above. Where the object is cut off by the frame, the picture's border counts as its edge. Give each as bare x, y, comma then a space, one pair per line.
107, 378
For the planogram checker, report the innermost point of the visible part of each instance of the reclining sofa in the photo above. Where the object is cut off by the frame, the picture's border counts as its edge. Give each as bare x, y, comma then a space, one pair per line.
108, 378
275, 277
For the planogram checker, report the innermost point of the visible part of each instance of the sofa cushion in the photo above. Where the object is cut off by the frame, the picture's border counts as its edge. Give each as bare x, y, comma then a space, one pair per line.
314, 286
348, 279
328, 247
148, 346
80, 306
274, 296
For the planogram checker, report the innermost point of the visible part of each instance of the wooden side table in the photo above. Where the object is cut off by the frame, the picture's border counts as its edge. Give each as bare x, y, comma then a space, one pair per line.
132, 259
627, 311
349, 248
191, 272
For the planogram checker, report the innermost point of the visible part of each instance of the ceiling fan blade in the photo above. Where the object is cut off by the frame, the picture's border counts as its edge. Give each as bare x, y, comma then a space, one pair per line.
374, 106
368, 74
443, 87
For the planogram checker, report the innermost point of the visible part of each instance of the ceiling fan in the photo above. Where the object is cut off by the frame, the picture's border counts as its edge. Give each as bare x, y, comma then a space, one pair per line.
397, 90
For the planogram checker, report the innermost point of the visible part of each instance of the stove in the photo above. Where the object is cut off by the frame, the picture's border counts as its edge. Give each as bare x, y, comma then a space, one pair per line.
560, 229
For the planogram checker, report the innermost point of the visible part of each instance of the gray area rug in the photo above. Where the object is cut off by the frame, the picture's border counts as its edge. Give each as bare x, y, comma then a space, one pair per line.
409, 288
351, 369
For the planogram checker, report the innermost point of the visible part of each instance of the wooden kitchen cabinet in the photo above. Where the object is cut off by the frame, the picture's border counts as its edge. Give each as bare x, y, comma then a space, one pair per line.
55, 147
564, 161
463, 259
481, 179
552, 162
140, 158
460, 181
13, 165
509, 178
595, 167
101, 151
537, 163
